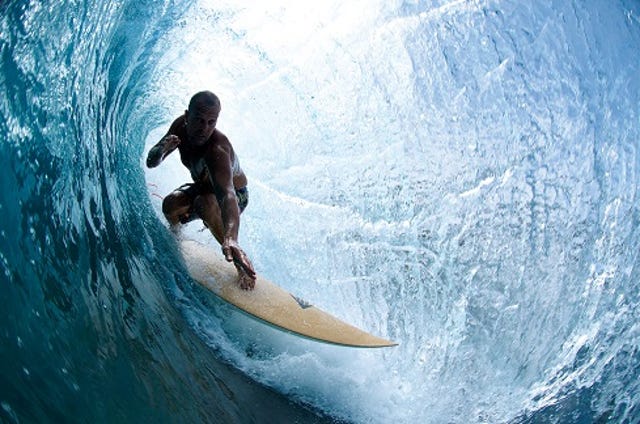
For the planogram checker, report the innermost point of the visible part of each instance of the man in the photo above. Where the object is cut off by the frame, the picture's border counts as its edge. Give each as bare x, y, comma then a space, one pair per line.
218, 194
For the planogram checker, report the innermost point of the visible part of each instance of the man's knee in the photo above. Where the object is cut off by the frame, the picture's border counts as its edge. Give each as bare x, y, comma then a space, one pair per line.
168, 205
174, 205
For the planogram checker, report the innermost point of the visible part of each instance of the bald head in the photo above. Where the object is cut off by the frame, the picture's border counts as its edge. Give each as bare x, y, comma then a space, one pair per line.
202, 117
204, 100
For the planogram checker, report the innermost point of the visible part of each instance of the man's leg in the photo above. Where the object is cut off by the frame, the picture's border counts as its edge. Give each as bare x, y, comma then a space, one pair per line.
176, 205
206, 206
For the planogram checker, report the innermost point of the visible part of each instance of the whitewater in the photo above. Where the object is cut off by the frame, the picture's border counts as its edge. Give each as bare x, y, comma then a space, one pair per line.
461, 177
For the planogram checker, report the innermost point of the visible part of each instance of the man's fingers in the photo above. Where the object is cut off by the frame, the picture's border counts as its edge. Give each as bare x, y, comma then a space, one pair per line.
236, 255
247, 283
246, 267
240, 259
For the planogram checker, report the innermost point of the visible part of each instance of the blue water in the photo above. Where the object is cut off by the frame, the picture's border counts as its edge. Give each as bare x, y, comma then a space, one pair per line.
461, 177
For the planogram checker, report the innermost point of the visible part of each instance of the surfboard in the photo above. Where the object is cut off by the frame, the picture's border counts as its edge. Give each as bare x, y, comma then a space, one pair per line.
271, 304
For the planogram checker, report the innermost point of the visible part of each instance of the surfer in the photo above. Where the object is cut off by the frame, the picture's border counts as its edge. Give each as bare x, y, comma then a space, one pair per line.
218, 194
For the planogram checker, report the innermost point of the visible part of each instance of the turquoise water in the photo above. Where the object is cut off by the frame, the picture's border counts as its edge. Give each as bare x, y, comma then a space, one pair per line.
459, 177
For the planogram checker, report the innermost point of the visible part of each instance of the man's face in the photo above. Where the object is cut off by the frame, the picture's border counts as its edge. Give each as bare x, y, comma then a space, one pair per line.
200, 123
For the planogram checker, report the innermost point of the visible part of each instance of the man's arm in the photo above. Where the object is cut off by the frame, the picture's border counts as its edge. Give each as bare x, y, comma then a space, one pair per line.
164, 147
221, 173
219, 164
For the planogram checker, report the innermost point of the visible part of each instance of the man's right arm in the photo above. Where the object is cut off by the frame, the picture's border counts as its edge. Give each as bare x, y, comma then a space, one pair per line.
165, 146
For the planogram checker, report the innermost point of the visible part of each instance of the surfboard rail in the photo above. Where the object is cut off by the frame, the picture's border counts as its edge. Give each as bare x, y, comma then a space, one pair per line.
271, 304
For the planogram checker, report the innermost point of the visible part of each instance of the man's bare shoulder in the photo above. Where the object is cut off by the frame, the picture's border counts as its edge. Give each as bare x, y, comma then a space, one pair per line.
220, 150
219, 137
221, 142
177, 126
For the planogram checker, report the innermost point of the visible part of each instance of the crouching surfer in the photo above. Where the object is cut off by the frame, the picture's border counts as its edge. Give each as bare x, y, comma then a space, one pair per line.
218, 194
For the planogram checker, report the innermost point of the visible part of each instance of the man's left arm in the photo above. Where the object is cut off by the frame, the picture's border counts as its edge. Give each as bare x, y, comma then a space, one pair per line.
220, 170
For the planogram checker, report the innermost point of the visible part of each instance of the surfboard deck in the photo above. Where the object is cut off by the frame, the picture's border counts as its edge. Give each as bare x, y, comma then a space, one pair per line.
270, 303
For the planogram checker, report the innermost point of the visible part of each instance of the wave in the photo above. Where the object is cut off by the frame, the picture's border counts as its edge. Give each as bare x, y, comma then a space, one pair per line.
459, 177
92, 284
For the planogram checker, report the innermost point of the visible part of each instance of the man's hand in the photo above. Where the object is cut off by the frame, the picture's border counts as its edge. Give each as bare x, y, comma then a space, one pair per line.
158, 152
171, 142
233, 253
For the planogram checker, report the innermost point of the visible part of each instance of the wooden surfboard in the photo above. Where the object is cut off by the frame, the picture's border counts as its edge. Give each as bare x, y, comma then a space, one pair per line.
270, 303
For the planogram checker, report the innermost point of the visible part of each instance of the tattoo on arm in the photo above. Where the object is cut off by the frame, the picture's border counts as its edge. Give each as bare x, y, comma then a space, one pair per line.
164, 147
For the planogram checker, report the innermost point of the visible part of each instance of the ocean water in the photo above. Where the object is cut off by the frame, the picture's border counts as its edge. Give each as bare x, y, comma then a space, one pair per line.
461, 177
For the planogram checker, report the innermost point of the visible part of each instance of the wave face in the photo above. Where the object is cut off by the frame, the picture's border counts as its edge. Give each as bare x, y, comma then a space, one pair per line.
460, 177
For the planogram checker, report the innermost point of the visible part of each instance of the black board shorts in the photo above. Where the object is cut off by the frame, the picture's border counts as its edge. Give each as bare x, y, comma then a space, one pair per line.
193, 190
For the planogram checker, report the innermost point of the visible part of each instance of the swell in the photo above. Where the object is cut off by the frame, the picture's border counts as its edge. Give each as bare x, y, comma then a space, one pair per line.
501, 243
91, 327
